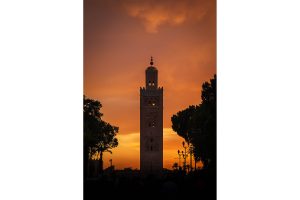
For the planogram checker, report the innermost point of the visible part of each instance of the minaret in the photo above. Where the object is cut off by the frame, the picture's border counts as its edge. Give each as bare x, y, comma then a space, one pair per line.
151, 123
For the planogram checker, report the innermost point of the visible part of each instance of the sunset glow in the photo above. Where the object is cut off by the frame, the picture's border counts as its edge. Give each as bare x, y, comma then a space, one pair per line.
119, 39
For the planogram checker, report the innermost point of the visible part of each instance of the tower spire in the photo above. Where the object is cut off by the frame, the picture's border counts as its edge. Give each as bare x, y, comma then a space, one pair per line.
151, 62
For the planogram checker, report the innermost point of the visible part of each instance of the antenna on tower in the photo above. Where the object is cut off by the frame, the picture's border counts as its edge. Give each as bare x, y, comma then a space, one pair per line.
151, 62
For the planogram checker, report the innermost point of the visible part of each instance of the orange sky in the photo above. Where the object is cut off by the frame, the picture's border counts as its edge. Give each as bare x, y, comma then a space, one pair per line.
120, 37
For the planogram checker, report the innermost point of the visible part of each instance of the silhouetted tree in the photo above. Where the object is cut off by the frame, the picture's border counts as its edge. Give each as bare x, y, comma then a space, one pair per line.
99, 136
197, 124
106, 140
203, 132
91, 119
182, 122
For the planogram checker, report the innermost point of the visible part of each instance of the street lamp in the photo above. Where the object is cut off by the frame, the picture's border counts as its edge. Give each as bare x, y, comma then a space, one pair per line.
184, 155
178, 158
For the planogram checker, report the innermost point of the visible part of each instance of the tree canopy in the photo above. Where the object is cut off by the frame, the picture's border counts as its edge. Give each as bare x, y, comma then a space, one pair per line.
91, 120
182, 122
99, 136
197, 124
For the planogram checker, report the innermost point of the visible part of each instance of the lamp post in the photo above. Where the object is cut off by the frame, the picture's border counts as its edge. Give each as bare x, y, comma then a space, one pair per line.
178, 158
184, 155
184, 160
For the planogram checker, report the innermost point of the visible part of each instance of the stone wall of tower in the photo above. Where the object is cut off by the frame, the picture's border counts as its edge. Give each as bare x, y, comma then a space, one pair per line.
151, 130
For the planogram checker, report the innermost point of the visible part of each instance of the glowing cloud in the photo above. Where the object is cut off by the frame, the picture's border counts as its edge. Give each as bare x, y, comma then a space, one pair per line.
154, 14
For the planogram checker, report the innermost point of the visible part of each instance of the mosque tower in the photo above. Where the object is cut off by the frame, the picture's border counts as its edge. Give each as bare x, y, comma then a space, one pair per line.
151, 123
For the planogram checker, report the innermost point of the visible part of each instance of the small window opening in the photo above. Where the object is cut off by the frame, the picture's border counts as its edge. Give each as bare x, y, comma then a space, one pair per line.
153, 125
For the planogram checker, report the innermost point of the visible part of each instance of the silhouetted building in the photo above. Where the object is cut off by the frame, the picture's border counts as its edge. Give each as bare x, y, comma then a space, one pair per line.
151, 124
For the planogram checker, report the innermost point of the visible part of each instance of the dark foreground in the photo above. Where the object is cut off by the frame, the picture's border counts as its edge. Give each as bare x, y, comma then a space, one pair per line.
171, 185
